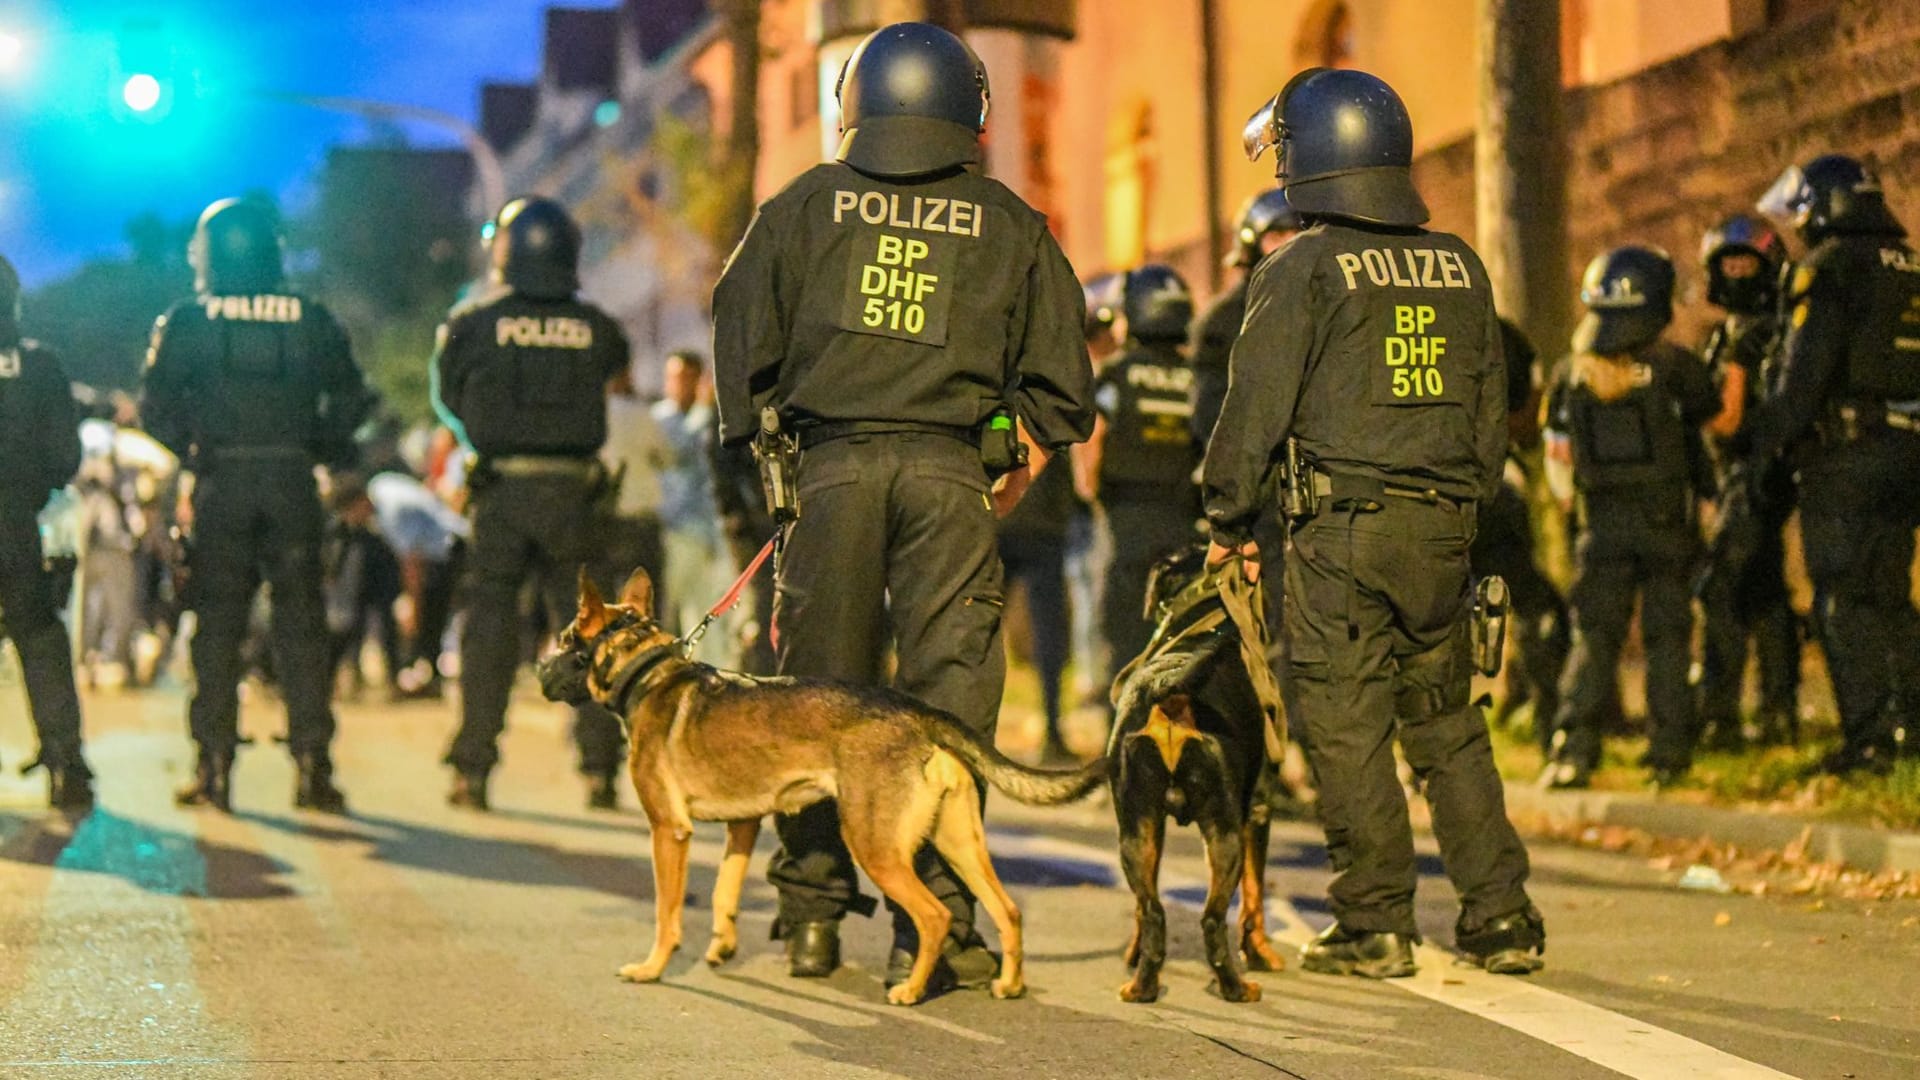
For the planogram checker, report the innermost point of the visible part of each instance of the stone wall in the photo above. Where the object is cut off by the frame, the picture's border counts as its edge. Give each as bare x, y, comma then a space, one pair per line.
1661, 156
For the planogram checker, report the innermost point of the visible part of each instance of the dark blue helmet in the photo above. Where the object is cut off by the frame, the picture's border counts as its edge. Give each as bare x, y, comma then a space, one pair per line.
1345, 147
235, 249
9, 304
1831, 194
1157, 303
1629, 297
536, 249
1267, 212
913, 100
1742, 234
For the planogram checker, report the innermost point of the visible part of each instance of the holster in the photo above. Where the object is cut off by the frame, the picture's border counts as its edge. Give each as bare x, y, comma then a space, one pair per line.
777, 453
1298, 500
1001, 450
1492, 607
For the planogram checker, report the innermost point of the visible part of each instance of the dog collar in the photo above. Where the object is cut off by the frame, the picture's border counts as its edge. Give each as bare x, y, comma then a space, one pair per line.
633, 674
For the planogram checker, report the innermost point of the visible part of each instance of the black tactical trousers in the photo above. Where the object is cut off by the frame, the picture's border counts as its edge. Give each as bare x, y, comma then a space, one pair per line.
1630, 549
1142, 531
1541, 626
1376, 610
1040, 563
895, 542
31, 610
1858, 509
533, 526
254, 520
1751, 605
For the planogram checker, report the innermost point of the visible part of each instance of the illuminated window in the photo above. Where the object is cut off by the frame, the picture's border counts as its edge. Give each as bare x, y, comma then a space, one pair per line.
1129, 187
1326, 36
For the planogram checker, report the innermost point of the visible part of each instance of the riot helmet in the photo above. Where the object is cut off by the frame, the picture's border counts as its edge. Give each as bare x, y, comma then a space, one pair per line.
1157, 303
1267, 212
9, 304
1831, 194
1742, 234
913, 100
536, 249
1344, 147
235, 249
1629, 297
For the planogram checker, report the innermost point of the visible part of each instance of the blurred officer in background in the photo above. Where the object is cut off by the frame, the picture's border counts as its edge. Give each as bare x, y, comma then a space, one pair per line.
1370, 365
1846, 416
251, 386
39, 453
1742, 257
1628, 419
1266, 222
521, 374
912, 324
1033, 547
1138, 466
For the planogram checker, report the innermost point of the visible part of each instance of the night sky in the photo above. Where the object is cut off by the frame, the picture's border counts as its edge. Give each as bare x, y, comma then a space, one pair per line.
74, 169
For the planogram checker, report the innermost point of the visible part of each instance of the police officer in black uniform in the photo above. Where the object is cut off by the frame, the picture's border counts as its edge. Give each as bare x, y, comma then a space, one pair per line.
1139, 463
1628, 416
1266, 222
1846, 417
1742, 257
252, 386
521, 375
1371, 350
901, 312
39, 452
1503, 547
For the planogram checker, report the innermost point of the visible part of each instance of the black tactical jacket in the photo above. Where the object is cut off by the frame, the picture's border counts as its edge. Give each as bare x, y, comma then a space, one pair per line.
1644, 440
522, 375
1214, 333
1149, 452
39, 426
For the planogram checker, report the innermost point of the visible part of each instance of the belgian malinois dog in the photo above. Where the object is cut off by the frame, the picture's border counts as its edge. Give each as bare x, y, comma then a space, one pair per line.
710, 745
1188, 742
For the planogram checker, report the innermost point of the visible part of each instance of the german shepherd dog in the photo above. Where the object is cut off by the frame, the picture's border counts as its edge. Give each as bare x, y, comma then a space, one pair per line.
1189, 741
709, 745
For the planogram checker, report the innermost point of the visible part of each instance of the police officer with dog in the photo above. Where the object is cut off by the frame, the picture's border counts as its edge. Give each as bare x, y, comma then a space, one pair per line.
252, 385
914, 329
1370, 365
1628, 417
1138, 466
1745, 597
521, 374
39, 453
1845, 417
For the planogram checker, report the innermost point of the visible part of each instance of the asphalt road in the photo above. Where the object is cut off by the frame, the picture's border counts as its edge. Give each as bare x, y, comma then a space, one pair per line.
411, 940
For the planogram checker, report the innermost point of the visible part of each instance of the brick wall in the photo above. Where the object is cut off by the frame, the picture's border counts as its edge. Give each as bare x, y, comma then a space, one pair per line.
1662, 155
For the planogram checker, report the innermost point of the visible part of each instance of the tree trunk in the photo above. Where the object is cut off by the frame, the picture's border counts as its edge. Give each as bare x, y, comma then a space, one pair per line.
742, 153
1210, 127
1520, 175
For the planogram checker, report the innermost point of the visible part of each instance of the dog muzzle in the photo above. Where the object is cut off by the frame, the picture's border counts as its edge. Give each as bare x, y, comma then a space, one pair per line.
563, 678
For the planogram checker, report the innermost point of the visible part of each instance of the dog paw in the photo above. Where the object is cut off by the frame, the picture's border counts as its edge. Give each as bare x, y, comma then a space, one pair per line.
1007, 990
904, 994
1247, 991
1139, 993
642, 972
720, 951
1260, 955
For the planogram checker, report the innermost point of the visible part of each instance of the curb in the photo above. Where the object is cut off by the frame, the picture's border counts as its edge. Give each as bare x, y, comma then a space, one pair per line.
1861, 847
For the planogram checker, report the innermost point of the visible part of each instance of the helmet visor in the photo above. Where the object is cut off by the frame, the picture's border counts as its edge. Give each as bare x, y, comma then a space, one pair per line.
1786, 203
1264, 130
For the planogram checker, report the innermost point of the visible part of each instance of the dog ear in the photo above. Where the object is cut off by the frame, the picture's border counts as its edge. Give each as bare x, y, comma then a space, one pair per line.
637, 593
592, 616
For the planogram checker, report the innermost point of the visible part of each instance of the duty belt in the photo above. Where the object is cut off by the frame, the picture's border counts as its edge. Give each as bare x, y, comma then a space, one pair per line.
1345, 487
529, 465
812, 435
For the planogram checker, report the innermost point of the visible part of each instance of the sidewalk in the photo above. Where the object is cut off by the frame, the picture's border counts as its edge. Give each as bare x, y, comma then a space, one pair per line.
1873, 850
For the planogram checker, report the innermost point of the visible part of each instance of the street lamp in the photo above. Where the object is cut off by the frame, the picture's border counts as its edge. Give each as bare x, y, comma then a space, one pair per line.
13, 48
141, 92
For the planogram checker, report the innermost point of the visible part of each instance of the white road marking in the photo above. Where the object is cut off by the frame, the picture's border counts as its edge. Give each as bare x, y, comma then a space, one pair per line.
1608, 1039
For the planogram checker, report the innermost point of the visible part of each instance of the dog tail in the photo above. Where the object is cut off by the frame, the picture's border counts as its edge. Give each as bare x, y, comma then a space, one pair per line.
1035, 787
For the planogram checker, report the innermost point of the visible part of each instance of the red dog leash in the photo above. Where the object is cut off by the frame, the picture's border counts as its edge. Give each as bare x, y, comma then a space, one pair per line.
732, 598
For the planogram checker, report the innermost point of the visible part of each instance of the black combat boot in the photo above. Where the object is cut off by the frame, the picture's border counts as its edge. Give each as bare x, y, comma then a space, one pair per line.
1509, 945
315, 790
70, 788
603, 791
1367, 953
469, 789
210, 782
813, 949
